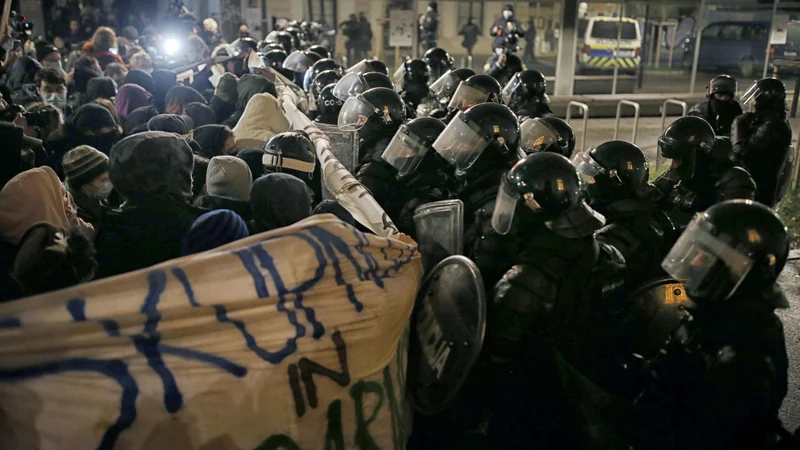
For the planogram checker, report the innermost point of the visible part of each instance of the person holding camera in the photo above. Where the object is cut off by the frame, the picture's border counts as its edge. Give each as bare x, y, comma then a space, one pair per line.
505, 28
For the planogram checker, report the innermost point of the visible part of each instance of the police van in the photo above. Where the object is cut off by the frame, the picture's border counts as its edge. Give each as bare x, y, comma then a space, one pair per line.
597, 44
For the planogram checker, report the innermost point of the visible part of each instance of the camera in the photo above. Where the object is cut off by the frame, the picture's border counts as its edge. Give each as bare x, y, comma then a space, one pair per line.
35, 119
20, 27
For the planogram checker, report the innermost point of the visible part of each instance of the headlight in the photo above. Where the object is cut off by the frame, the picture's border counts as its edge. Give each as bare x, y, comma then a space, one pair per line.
172, 47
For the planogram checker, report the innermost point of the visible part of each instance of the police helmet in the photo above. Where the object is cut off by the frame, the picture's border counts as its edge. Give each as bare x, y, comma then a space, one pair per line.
723, 84
444, 87
766, 93
413, 71
525, 87
545, 188
439, 61
323, 79
734, 245
320, 50
274, 58
376, 110
377, 79
684, 140
318, 67
612, 170
327, 103
547, 134
412, 143
283, 38
476, 89
242, 45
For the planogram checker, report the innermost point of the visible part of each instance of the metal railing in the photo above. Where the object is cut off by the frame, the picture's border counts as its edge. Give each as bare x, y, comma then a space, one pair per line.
684, 110
636, 108
585, 108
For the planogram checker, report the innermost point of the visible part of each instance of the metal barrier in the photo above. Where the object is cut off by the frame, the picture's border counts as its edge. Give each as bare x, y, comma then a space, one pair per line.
636, 108
585, 108
684, 110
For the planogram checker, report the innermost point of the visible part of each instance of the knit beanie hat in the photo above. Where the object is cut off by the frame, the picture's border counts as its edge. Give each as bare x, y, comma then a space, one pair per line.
93, 118
83, 164
44, 49
226, 88
214, 229
171, 123
229, 177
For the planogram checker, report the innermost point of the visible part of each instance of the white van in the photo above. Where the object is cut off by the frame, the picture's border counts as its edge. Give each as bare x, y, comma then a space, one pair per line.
597, 44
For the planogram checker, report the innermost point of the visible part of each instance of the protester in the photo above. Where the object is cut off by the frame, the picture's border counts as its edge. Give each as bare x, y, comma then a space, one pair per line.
199, 176
109, 106
141, 78
100, 46
223, 103
86, 173
130, 97
22, 79
48, 55
215, 140
101, 87
228, 182
164, 81
171, 123
214, 229
153, 171
32, 197
254, 158
271, 211
200, 113
142, 61
51, 88
261, 120
248, 86
470, 31
116, 72
91, 125
179, 96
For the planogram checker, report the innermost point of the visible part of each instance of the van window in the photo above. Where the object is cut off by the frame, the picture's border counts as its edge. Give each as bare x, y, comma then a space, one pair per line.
712, 32
755, 32
793, 34
731, 32
608, 30
583, 24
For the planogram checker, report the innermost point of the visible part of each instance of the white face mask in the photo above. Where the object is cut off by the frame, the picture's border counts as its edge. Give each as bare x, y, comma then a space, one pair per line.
430, 9
499, 51
100, 192
507, 14
56, 99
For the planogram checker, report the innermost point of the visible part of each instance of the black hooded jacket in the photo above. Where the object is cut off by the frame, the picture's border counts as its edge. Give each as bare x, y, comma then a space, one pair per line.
279, 200
249, 85
719, 115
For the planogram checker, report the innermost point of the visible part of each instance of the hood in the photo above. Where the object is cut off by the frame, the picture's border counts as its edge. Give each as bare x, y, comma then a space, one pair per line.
179, 96
130, 97
152, 165
227, 88
139, 118
164, 81
82, 76
250, 85
141, 78
261, 120
101, 87
279, 200
34, 196
200, 113
211, 139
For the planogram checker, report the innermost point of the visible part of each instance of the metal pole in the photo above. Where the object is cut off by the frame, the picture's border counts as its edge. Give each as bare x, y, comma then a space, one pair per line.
415, 33
658, 44
671, 45
769, 39
701, 23
565, 62
650, 49
616, 49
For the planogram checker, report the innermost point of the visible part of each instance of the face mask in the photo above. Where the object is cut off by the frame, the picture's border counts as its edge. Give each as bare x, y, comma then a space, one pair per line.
498, 51
507, 14
53, 65
100, 192
56, 99
430, 9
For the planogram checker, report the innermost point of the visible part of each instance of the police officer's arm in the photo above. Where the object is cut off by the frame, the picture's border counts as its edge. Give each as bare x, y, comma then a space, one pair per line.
698, 110
736, 184
620, 237
521, 300
742, 130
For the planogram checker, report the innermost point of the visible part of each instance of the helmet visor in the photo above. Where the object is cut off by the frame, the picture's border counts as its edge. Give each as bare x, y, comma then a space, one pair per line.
509, 89
360, 67
504, 208
405, 152
587, 168
350, 85
467, 96
708, 265
297, 62
445, 85
354, 114
461, 143
535, 136
751, 94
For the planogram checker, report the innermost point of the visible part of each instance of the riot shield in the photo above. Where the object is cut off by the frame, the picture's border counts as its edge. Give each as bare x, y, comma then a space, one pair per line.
785, 177
439, 230
659, 307
344, 146
447, 330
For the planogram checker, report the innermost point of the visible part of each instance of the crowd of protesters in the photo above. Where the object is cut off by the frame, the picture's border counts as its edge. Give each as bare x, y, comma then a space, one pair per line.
110, 165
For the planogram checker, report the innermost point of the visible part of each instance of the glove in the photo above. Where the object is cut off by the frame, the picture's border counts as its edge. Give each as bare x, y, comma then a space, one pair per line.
684, 199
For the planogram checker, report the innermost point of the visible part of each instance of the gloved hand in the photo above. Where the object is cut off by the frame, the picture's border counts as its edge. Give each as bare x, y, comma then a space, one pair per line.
684, 199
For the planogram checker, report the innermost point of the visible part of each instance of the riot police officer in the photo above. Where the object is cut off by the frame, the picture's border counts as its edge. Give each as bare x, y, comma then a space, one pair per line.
320, 50
503, 66
321, 66
526, 95
721, 108
369, 65
376, 114
293, 152
274, 59
283, 38
481, 143
724, 374
412, 79
321, 80
702, 173
299, 62
240, 49
475, 90
615, 177
395, 178
761, 139
328, 106
264, 47
439, 61
557, 265
429, 28
547, 134
443, 89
